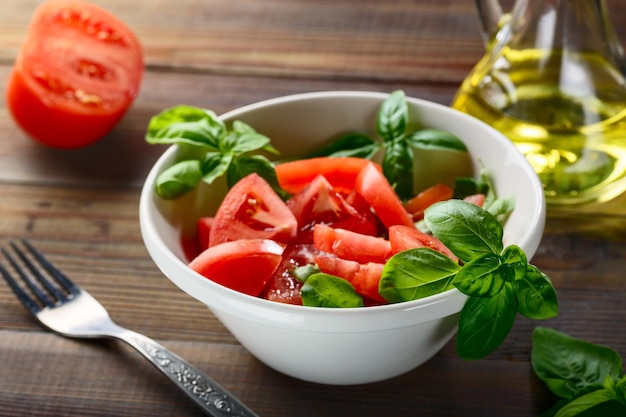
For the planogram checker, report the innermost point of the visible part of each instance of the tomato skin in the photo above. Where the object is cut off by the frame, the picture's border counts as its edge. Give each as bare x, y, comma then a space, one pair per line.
404, 238
252, 210
341, 173
320, 203
418, 204
363, 277
69, 87
244, 265
350, 245
376, 190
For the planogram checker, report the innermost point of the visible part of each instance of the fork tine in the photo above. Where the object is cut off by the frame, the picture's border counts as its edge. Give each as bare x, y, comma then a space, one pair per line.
24, 298
59, 276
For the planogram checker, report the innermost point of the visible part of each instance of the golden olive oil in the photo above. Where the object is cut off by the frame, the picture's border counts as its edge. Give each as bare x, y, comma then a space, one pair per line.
565, 112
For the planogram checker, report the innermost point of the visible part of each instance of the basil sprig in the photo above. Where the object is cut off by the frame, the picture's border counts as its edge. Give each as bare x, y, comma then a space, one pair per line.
589, 378
498, 280
217, 150
397, 141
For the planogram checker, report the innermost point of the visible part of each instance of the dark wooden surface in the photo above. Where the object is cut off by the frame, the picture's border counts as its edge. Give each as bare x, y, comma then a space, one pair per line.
80, 207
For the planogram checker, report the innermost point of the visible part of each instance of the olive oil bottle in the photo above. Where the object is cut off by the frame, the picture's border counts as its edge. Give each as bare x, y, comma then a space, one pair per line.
563, 106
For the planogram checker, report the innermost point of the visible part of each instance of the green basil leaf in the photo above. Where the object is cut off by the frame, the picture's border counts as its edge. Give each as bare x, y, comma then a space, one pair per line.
323, 290
352, 144
302, 273
586, 403
186, 125
568, 365
398, 168
466, 186
214, 165
466, 229
536, 296
514, 256
244, 165
610, 408
485, 322
435, 139
416, 273
393, 116
480, 277
179, 179
500, 208
244, 140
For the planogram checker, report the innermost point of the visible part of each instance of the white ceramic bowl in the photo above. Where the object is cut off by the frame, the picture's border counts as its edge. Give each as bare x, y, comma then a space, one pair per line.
341, 346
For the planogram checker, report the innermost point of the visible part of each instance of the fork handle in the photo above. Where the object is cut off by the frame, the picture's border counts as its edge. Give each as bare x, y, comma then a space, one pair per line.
213, 399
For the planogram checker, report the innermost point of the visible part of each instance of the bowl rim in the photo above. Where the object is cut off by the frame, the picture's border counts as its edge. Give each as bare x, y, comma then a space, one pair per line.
246, 305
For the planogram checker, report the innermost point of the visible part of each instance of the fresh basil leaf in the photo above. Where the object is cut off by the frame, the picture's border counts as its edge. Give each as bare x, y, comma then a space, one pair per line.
393, 116
610, 408
352, 144
247, 142
568, 365
416, 273
302, 273
398, 168
485, 322
480, 277
244, 165
515, 257
435, 139
586, 403
214, 165
466, 186
536, 296
186, 124
500, 208
466, 229
323, 290
178, 179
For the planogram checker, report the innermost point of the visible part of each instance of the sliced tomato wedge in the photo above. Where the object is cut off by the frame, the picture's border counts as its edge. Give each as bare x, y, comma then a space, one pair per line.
294, 176
252, 210
376, 190
283, 287
363, 277
349, 245
404, 238
77, 73
418, 204
204, 232
319, 203
243, 265
478, 199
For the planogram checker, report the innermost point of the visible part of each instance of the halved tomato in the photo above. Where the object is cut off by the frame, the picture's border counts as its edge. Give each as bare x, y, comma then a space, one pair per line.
349, 245
364, 277
404, 238
252, 210
418, 204
204, 232
294, 176
376, 190
283, 286
77, 73
319, 203
243, 265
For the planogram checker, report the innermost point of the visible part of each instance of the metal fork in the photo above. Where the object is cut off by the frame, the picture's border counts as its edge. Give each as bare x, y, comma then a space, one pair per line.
67, 309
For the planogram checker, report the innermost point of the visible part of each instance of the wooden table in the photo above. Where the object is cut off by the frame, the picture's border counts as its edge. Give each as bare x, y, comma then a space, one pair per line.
80, 207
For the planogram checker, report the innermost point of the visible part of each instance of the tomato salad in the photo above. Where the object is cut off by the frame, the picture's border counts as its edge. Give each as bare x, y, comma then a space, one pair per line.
344, 219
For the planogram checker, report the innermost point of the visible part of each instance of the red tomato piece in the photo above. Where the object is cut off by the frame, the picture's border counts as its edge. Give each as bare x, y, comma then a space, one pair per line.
294, 176
404, 238
349, 245
243, 265
204, 231
478, 199
283, 287
320, 203
363, 277
418, 204
376, 190
77, 73
252, 210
